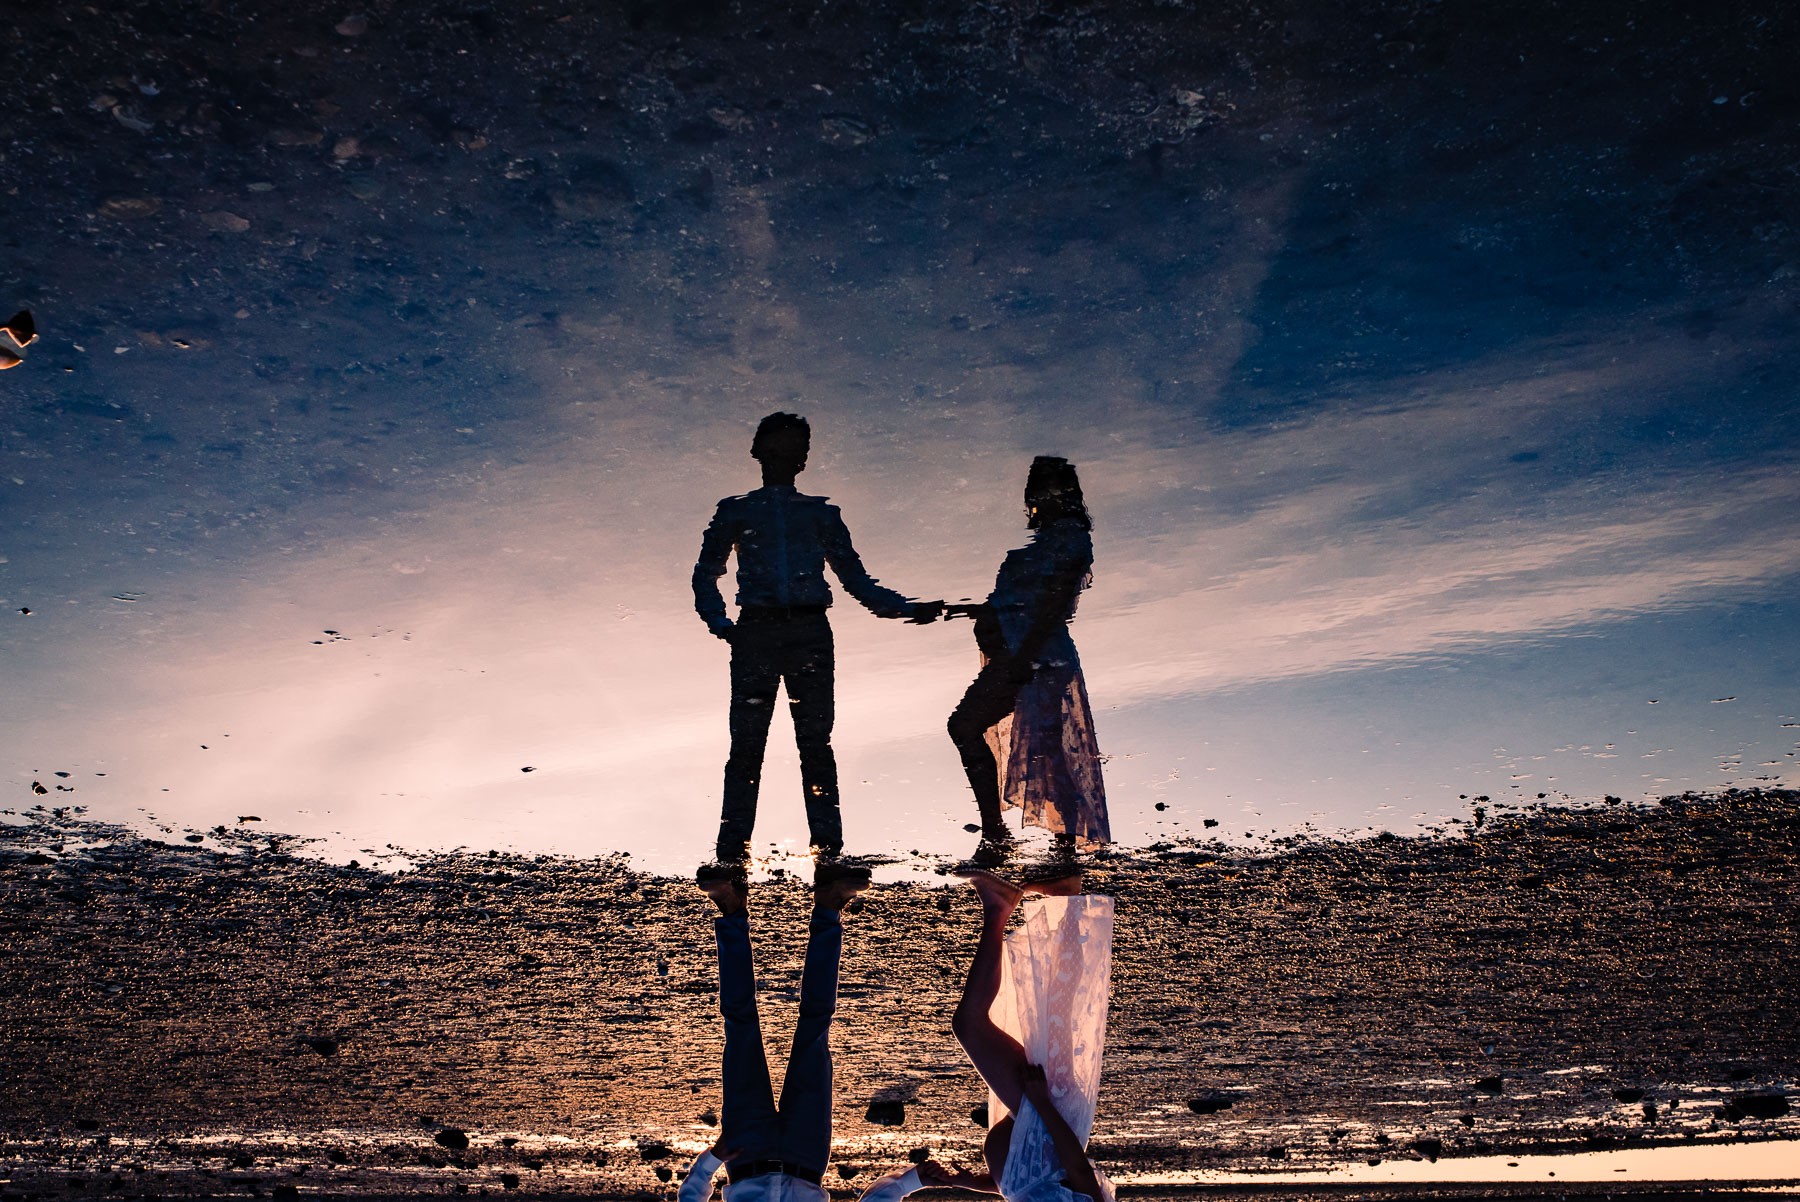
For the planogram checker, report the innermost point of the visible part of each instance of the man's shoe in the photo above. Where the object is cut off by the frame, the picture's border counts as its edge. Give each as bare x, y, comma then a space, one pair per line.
833, 888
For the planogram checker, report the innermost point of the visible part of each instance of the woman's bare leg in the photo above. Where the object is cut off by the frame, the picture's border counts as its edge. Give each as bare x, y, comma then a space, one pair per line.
996, 1055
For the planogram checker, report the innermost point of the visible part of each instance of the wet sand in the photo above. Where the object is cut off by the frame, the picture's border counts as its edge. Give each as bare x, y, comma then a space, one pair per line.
235, 1017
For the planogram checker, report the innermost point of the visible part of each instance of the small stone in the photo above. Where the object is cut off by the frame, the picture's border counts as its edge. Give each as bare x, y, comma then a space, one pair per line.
454, 1138
346, 148
844, 131
353, 26
1489, 1085
1210, 823
509, 1181
128, 207
1628, 1095
297, 137
1210, 1103
37, 788
979, 1116
1757, 1106
196, 838
653, 1149
1430, 1149
663, 1172
919, 1155
224, 222
324, 1045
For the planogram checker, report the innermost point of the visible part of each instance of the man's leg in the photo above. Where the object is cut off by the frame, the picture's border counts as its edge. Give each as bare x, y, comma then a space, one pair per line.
806, 1091
809, 670
747, 1121
755, 675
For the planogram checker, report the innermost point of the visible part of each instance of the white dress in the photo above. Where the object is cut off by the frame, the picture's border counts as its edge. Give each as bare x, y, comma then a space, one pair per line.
1055, 983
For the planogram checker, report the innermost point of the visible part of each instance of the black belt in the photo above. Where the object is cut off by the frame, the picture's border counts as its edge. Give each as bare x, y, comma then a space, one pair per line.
745, 1170
767, 612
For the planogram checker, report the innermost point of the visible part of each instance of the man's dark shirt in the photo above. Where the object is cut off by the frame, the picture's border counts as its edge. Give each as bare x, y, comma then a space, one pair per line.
783, 539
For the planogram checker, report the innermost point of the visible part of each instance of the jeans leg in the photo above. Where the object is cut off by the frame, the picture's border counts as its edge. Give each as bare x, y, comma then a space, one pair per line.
810, 674
755, 675
806, 1093
747, 1118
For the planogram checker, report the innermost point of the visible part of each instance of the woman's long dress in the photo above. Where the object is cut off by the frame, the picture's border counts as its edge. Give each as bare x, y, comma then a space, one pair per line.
1048, 758
1055, 983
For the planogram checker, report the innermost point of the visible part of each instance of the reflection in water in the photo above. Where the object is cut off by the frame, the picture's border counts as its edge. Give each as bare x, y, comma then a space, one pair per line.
1024, 729
783, 539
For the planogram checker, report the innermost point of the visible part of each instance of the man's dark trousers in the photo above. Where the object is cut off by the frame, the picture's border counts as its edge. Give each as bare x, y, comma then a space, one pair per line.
800, 1130
772, 647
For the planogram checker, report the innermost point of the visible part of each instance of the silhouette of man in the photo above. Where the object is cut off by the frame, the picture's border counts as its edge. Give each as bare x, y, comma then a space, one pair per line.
783, 539
771, 1153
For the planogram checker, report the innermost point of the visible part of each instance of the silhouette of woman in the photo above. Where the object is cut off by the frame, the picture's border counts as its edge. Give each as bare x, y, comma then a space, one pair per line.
1024, 729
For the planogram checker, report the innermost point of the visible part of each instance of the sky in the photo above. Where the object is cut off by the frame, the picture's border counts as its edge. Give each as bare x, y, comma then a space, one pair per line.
1428, 463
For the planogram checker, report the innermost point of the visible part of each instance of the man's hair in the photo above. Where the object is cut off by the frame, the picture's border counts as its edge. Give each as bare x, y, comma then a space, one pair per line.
775, 425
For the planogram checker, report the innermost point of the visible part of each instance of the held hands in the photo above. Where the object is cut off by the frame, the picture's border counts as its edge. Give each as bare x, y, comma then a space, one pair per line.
923, 613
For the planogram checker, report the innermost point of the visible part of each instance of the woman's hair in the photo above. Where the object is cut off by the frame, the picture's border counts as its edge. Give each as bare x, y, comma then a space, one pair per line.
1052, 483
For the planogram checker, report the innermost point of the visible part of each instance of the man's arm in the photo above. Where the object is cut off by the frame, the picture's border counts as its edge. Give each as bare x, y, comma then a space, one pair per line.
878, 600
715, 549
697, 1185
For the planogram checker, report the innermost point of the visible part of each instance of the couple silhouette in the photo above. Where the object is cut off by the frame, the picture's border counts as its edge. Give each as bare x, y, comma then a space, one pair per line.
1032, 1018
1023, 730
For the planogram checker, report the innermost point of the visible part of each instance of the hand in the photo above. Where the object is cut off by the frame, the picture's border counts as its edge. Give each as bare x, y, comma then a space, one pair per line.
722, 1151
925, 612
1032, 1081
933, 1173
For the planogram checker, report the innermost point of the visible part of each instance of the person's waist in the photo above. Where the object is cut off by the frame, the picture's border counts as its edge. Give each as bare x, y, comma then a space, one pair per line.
776, 613
745, 1170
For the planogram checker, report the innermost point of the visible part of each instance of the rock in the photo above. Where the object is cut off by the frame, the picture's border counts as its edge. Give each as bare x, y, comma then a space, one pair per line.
1628, 1095
38, 790
127, 207
296, 137
844, 131
886, 1112
337, 1156
1468, 1120
353, 26
454, 1138
224, 222
509, 1181
87, 1124
919, 1155
1756, 1106
130, 120
653, 1149
1429, 1148
979, 1116
1210, 823
710, 1117
284, 1190
972, 827
663, 1172
1277, 1153
195, 838
346, 148
1210, 1103
324, 1045
1490, 1085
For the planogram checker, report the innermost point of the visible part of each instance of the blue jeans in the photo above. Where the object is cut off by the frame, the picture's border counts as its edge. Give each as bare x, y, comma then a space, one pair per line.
800, 1129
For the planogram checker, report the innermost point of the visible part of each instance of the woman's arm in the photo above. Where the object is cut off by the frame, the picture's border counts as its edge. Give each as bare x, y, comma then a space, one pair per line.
1076, 1168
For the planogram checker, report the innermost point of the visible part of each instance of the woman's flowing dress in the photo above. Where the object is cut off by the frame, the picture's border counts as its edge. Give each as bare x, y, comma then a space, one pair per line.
1056, 980
1048, 758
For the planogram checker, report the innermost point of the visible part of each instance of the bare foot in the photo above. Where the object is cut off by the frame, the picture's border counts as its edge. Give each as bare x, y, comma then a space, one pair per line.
731, 894
995, 893
1062, 886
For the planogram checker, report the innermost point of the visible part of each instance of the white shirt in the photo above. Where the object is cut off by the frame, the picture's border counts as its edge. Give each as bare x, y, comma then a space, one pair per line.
893, 1187
770, 1187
